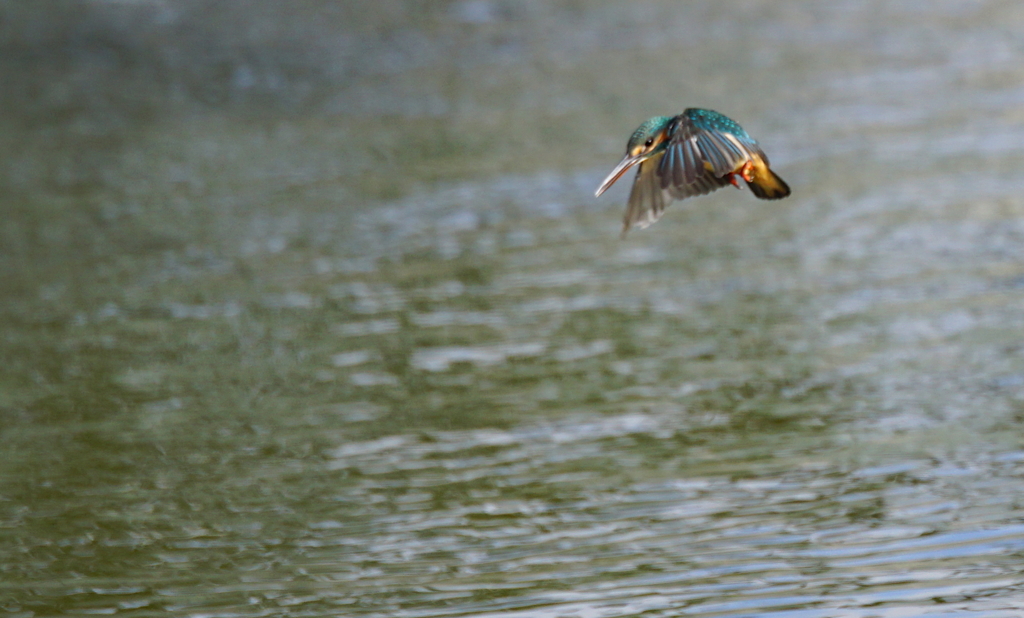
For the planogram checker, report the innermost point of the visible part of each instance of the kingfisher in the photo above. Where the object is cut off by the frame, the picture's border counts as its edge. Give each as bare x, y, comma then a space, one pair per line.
694, 153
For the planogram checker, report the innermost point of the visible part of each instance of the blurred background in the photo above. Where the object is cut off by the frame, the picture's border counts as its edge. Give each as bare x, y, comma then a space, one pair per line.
309, 310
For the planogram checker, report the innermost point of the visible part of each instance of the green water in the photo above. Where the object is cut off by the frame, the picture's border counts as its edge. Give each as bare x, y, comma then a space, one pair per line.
309, 311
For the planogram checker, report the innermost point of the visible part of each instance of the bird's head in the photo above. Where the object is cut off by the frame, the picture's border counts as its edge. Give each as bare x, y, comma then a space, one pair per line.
649, 139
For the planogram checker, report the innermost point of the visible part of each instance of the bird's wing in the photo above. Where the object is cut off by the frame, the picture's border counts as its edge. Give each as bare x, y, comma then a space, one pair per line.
696, 150
647, 199
650, 195
685, 171
704, 183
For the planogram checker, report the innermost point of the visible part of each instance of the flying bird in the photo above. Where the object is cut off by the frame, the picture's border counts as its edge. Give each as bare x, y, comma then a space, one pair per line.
693, 153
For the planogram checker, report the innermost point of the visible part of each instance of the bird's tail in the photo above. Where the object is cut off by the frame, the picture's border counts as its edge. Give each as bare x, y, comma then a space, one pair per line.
766, 184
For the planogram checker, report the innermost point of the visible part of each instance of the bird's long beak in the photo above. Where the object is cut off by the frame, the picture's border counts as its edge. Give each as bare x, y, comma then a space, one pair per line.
627, 162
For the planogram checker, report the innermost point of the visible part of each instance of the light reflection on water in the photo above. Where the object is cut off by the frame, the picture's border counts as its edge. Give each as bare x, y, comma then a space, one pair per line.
354, 339
690, 537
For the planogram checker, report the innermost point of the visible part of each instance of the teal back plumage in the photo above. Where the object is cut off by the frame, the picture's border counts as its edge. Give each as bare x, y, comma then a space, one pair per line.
703, 119
710, 120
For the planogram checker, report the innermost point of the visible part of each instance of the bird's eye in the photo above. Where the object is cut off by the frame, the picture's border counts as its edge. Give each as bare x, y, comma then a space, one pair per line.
649, 141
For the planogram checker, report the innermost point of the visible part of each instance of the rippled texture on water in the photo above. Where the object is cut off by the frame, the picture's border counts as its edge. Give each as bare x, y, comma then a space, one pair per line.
309, 311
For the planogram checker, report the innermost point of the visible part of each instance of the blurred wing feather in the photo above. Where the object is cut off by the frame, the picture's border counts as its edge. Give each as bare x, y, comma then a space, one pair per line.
698, 160
693, 165
648, 199
725, 153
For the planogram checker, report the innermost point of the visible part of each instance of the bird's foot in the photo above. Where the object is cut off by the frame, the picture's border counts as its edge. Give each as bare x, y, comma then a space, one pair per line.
747, 171
733, 181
